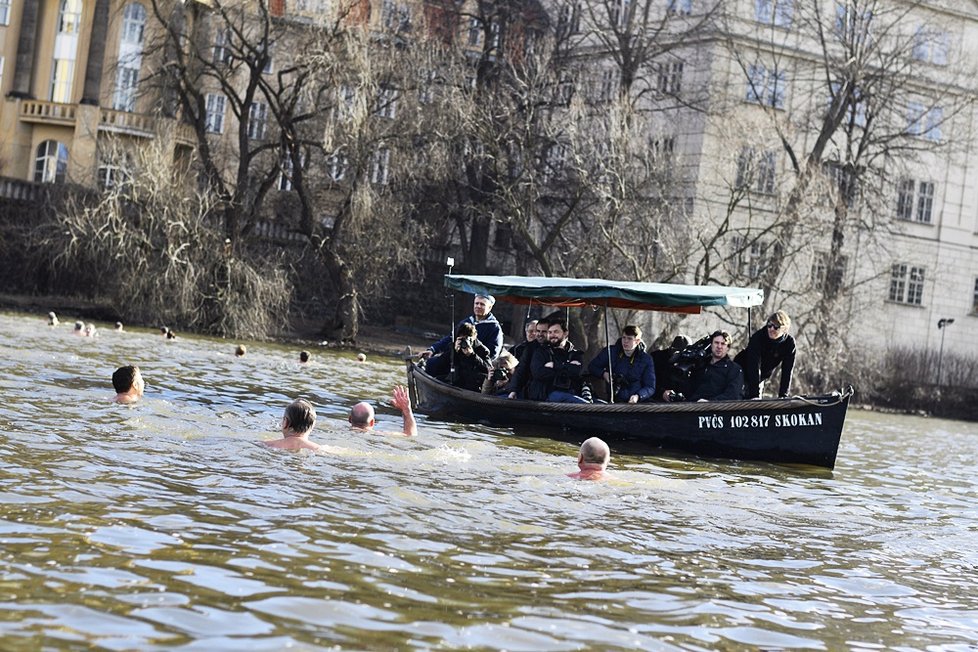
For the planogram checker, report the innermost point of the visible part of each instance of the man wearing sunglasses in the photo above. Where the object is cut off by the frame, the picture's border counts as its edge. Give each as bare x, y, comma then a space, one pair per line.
769, 347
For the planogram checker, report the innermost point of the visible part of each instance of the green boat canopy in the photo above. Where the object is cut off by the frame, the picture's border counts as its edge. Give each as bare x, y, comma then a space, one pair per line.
561, 292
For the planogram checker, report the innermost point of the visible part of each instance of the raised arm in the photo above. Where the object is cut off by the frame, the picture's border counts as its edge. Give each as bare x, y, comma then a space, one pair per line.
402, 402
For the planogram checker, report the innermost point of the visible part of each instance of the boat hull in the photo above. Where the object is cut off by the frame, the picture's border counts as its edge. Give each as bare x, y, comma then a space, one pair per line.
799, 430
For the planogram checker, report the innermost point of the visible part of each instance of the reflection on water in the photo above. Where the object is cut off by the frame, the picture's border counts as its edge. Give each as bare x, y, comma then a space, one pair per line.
164, 525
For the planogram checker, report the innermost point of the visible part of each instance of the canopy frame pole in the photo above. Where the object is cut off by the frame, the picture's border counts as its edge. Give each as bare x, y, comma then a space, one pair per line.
607, 346
748, 324
451, 328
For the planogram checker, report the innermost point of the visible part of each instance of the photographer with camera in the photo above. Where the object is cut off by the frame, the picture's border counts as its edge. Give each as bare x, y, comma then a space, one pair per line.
556, 369
471, 359
631, 368
721, 379
488, 331
500, 375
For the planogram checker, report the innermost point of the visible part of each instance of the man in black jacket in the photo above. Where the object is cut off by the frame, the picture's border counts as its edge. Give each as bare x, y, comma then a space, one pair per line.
557, 369
721, 379
521, 377
767, 348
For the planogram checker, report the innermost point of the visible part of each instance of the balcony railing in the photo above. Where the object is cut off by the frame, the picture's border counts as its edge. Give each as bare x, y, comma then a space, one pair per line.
18, 189
47, 112
134, 124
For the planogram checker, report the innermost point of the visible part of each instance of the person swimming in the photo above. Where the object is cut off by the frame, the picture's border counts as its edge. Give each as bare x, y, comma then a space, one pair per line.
297, 424
592, 460
362, 414
128, 384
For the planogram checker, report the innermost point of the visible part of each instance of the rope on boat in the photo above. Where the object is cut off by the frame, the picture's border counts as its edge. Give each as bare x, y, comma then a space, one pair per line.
797, 402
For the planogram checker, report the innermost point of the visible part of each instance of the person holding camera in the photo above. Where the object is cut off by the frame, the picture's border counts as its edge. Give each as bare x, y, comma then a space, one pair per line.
488, 331
556, 369
628, 365
500, 375
471, 359
766, 349
721, 379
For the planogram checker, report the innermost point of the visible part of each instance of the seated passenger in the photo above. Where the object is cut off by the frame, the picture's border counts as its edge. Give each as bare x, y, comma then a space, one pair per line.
556, 369
471, 360
530, 333
502, 372
665, 373
521, 377
767, 348
721, 379
630, 369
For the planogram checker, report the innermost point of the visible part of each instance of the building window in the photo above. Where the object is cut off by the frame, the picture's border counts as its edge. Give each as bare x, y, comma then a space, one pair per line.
565, 89
65, 48
670, 77
774, 12
222, 50
386, 102
766, 87
606, 85
930, 46
663, 149
475, 30
757, 170
4, 12
618, 12
51, 164
336, 166
851, 25
214, 120
825, 273
124, 98
907, 284
679, 7
426, 87
751, 257
554, 162
915, 200
287, 170
380, 166
133, 23
569, 20
257, 120
925, 122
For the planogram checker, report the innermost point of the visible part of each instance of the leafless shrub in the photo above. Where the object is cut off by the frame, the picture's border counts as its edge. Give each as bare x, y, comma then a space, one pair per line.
148, 247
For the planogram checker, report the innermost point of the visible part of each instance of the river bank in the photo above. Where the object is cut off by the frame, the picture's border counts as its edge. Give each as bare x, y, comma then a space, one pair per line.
395, 341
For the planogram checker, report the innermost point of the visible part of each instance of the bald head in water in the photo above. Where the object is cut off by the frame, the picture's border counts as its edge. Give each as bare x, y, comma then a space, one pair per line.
362, 415
592, 460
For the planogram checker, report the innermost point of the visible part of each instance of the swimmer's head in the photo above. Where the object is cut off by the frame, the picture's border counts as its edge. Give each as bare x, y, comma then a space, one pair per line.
126, 379
303, 356
300, 417
361, 357
362, 415
595, 451
240, 350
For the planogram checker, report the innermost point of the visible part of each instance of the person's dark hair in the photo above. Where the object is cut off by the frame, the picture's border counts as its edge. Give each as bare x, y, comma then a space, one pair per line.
724, 334
240, 350
466, 330
560, 322
680, 342
303, 356
632, 331
123, 378
300, 416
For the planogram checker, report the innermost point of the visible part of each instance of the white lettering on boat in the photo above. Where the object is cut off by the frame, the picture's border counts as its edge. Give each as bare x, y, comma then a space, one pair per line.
798, 419
711, 421
750, 420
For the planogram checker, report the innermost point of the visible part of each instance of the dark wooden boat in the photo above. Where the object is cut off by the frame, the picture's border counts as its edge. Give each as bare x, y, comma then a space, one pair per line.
798, 430
801, 430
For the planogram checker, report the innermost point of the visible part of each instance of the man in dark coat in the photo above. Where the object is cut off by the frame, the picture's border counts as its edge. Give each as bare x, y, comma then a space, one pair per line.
631, 368
471, 360
665, 372
489, 331
531, 336
767, 348
721, 379
557, 369
521, 377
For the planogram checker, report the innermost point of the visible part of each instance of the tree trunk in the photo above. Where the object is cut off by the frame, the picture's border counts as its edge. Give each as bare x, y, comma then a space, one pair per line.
345, 324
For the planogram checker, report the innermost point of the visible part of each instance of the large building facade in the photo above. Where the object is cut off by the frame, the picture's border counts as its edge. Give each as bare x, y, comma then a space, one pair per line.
738, 102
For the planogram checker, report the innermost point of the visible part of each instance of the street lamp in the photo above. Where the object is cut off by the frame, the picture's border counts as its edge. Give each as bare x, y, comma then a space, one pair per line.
942, 325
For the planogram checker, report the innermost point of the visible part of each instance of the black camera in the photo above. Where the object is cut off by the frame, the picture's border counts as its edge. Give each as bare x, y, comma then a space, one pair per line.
500, 374
676, 397
694, 356
464, 343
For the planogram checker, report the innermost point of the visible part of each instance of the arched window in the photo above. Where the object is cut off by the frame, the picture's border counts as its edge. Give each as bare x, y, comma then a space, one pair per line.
51, 164
133, 22
130, 57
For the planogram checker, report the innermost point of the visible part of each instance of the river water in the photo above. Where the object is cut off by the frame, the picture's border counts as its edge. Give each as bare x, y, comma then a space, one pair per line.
164, 525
